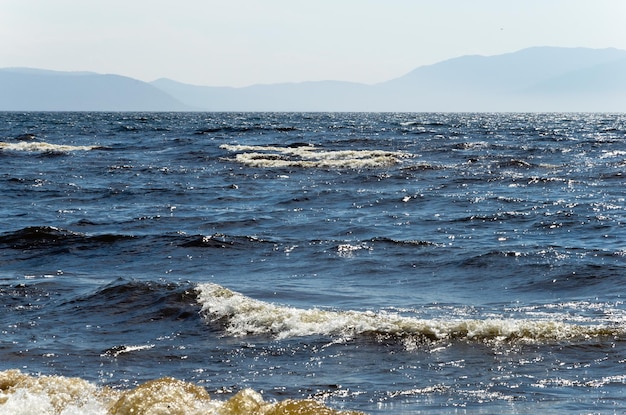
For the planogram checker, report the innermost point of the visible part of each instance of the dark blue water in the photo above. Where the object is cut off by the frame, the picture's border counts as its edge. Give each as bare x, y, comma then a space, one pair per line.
383, 263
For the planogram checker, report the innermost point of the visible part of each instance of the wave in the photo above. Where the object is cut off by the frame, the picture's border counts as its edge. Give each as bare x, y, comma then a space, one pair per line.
47, 236
44, 237
242, 316
312, 157
122, 303
425, 123
58, 395
501, 216
229, 129
398, 242
43, 147
219, 240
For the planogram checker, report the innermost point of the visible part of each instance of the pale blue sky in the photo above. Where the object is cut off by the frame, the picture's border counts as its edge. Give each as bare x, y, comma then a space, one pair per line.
243, 42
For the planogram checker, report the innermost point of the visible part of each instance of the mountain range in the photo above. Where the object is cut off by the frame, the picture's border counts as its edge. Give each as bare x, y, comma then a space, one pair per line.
540, 79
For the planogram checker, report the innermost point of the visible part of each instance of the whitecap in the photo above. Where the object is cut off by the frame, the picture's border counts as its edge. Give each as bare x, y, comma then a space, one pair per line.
118, 350
242, 316
43, 147
22, 394
312, 157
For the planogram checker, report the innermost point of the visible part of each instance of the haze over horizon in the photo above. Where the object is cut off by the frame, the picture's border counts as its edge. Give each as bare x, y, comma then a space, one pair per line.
244, 42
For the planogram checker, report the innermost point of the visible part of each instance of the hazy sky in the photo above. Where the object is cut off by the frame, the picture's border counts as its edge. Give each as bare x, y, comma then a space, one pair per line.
243, 42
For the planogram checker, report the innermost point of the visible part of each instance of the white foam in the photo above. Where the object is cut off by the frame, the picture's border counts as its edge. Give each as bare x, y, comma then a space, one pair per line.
22, 394
43, 147
242, 315
23, 402
116, 351
347, 250
615, 153
311, 156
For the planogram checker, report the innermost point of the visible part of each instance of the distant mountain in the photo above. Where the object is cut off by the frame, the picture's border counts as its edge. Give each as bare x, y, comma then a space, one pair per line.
531, 80
25, 89
534, 79
304, 96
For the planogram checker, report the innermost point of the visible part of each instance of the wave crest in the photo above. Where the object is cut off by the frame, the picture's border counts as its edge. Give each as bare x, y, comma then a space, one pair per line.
43, 147
47, 236
241, 316
311, 157
51, 395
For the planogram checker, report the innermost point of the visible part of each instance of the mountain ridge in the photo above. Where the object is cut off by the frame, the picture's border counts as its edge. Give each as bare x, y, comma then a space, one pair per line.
29, 89
538, 79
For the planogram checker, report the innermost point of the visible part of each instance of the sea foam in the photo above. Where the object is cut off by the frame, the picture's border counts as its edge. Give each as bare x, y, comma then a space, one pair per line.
43, 147
241, 316
311, 156
22, 394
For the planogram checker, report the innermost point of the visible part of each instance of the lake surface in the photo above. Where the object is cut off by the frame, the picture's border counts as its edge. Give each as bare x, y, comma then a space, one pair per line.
381, 263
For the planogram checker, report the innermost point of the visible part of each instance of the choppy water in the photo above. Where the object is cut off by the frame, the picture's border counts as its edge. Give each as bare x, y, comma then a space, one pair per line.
382, 263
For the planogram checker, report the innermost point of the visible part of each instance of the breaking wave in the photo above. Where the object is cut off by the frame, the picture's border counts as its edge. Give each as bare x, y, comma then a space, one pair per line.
242, 316
22, 394
43, 147
312, 157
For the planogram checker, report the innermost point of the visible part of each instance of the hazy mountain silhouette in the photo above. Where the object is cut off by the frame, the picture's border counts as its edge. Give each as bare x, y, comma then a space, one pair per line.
23, 89
535, 79
304, 96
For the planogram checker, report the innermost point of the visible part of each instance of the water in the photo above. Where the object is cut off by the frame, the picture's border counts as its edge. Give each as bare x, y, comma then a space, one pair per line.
381, 263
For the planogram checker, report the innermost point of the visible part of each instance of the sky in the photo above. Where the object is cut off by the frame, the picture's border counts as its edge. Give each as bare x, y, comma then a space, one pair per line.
244, 42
